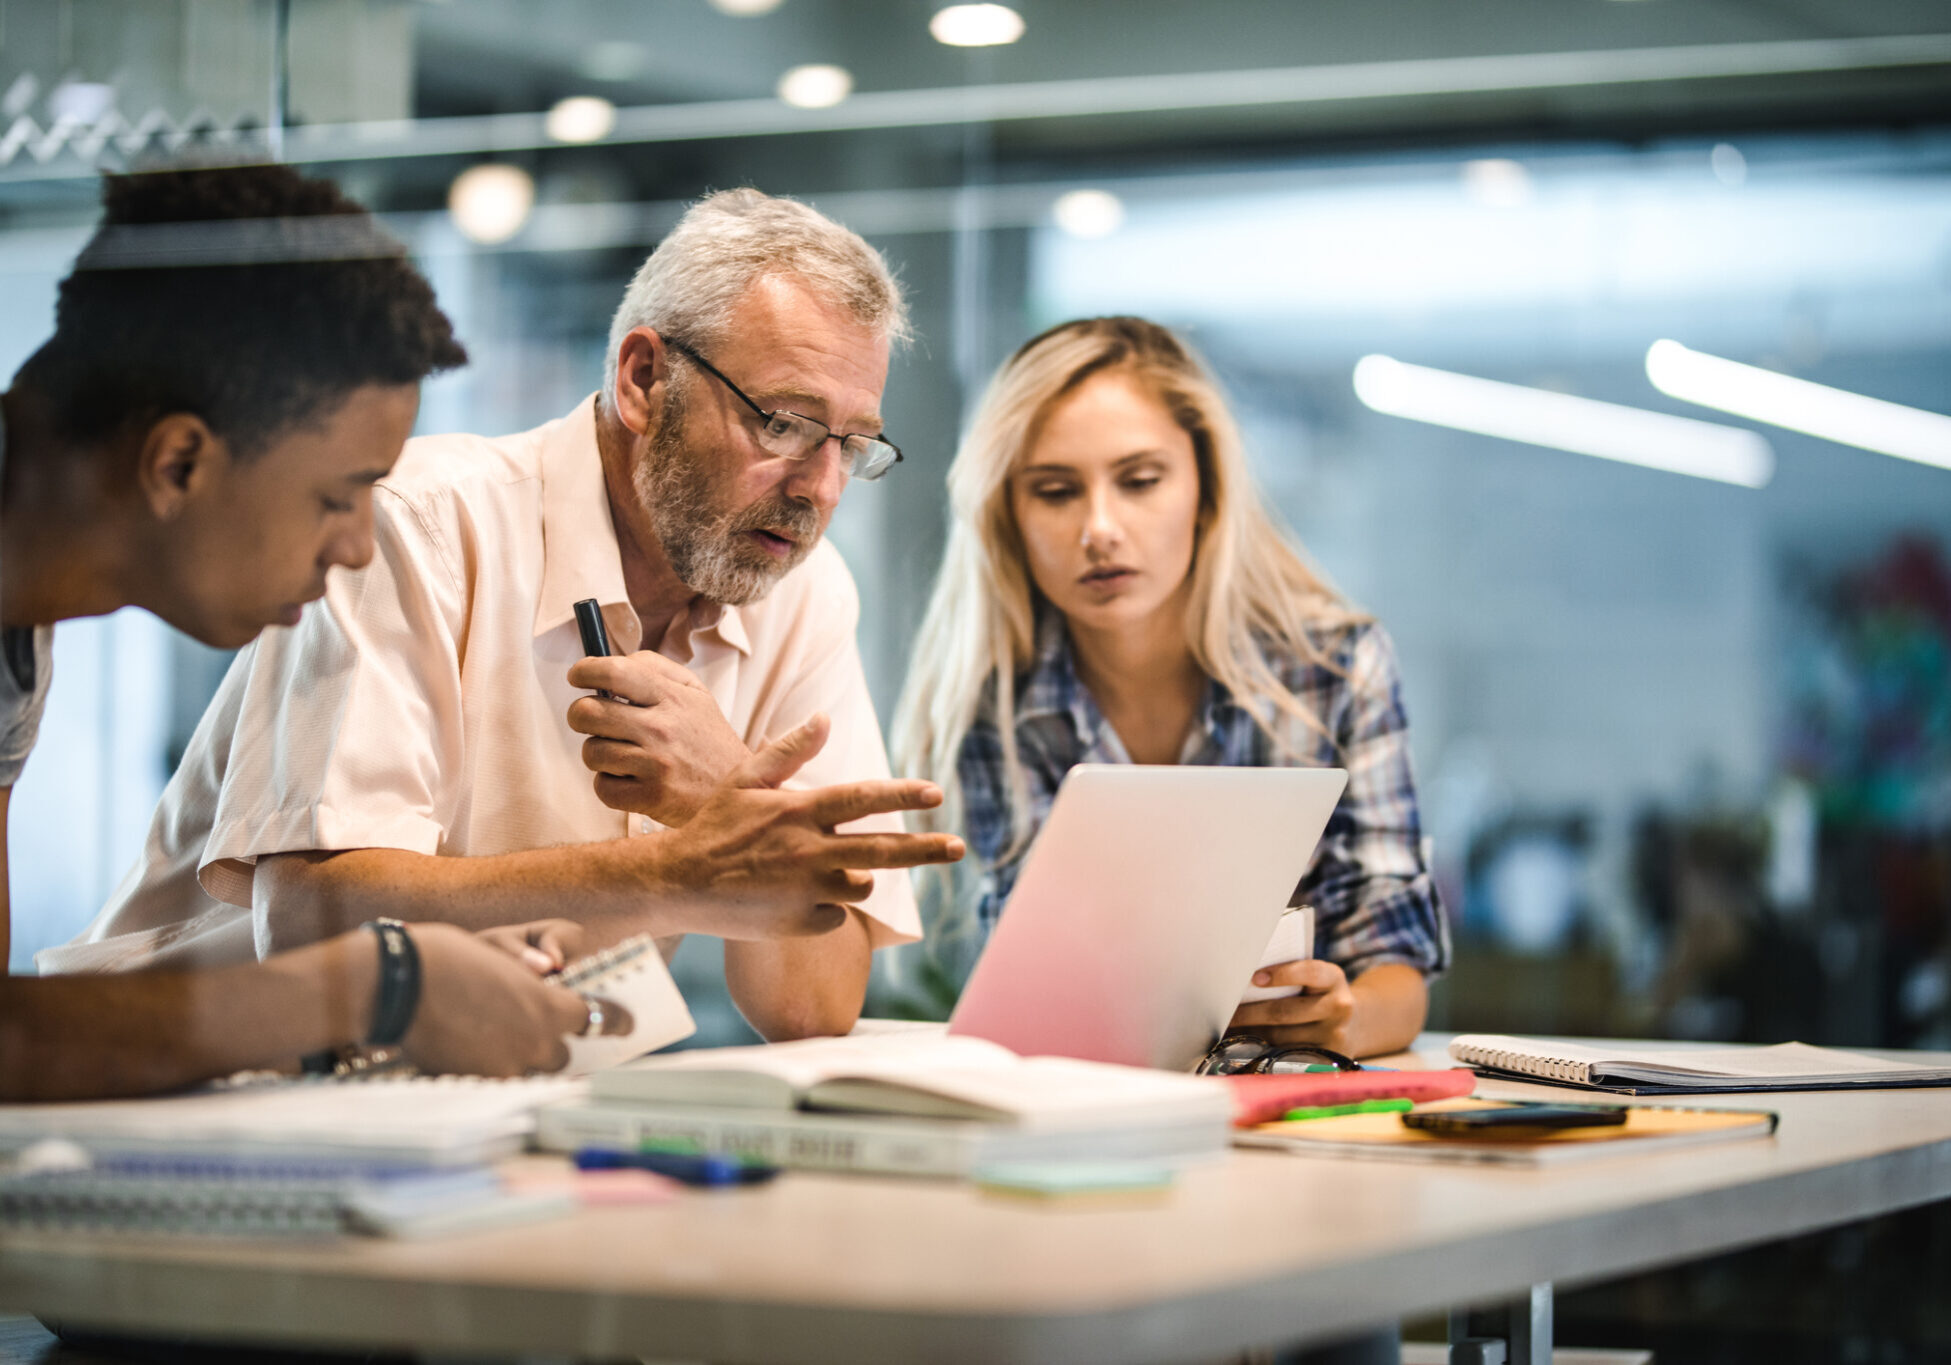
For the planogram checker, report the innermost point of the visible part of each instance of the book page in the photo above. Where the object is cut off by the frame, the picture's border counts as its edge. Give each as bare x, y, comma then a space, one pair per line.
1035, 1091
776, 1075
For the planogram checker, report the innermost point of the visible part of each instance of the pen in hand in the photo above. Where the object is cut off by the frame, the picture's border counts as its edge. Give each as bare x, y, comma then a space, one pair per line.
596, 638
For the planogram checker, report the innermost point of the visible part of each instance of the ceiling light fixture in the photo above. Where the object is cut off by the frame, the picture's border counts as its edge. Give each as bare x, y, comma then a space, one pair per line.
1089, 213
1727, 163
816, 86
1851, 419
490, 203
976, 25
580, 118
1584, 426
1497, 183
746, 9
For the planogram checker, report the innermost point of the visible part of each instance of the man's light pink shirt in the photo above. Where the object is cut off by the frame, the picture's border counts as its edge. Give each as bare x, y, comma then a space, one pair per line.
423, 705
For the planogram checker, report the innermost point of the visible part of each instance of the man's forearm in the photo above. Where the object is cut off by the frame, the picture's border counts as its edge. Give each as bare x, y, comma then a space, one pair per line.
1391, 1003
611, 888
76, 1037
801, 987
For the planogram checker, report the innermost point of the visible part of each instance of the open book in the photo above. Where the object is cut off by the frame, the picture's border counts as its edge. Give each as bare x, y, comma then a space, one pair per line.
928, 1075
1636, 1070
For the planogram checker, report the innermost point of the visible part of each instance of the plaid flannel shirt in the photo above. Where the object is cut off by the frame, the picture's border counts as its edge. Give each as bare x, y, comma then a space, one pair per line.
1369, 883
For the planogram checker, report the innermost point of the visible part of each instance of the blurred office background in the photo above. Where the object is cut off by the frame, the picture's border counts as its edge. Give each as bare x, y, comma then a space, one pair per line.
1685, 743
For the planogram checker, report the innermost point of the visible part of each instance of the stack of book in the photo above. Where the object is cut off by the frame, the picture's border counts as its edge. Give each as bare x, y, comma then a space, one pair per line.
401, 1156
905, 1103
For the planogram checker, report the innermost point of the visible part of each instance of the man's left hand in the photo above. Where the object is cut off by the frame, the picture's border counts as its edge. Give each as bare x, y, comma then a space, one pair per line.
1321, 1014
663, 752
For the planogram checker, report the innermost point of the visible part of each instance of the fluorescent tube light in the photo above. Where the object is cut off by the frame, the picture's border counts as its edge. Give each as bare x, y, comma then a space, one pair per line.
1814, 409
1585, 426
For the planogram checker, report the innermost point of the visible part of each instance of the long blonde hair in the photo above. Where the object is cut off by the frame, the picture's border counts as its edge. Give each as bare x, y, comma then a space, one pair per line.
1251, 588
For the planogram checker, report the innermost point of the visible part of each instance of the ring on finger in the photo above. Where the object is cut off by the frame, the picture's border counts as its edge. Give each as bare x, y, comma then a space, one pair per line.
593, 1025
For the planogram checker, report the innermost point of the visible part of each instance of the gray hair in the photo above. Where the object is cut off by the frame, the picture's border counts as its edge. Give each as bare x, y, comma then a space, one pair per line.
727, 242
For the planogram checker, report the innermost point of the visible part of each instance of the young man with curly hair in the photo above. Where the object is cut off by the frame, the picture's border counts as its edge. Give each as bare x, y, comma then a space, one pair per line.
236, 361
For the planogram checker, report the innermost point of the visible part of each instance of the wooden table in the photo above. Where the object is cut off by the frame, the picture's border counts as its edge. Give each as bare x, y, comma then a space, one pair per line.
1256, 1249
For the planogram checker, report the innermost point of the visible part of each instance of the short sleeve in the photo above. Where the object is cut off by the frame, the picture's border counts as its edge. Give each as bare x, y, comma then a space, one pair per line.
1374, 899
348, 731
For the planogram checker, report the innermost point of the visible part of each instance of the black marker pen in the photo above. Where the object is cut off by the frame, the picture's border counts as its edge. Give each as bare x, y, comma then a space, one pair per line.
596, 639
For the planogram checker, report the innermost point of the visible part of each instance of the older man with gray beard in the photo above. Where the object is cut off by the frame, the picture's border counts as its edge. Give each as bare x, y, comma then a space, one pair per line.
427, 743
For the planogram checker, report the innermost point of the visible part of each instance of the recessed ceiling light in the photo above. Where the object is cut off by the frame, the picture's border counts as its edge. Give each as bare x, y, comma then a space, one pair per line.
745, 9
490, 203
1089, 213
580, 118
976, 25
816, 86
1497, 183
1584, 426
1852, 419
1727, 163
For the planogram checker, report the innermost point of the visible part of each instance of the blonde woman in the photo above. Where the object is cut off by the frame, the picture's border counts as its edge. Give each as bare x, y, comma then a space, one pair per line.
1114, 591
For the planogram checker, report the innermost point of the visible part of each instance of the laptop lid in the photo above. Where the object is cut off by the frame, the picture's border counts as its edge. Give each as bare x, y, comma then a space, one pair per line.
1142, 909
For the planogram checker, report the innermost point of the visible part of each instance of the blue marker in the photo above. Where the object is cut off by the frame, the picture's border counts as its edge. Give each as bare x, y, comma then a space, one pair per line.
707, 1169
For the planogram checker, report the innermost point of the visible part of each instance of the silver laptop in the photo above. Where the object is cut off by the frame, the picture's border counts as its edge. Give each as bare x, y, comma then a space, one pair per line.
1142, 910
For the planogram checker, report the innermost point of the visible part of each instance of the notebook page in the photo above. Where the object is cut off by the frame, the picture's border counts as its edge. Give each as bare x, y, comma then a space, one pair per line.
633, 975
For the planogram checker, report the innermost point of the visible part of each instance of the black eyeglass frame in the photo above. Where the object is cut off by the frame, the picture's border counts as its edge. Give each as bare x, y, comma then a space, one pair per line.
690, 353
1270, 1053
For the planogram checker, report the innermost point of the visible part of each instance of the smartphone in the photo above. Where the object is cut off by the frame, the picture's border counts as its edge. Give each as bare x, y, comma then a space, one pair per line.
1515, 1120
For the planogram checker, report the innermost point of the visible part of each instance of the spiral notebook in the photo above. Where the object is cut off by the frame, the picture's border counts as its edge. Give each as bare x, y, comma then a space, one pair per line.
1630, 1069
395, 1117
278, 1197
631, 974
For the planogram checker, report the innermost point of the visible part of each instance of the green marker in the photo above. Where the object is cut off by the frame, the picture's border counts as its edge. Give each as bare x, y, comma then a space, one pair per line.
1335, 1111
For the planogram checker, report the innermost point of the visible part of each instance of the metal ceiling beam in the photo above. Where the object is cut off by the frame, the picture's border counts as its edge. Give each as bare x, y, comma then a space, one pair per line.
1089, 98
1100, 96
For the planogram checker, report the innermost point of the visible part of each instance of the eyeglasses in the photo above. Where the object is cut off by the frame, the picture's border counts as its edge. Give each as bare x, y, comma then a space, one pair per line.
1248, 1054
793, 437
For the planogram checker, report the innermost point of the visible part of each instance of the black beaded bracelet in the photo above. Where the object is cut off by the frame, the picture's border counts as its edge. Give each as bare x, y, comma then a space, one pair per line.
397, 996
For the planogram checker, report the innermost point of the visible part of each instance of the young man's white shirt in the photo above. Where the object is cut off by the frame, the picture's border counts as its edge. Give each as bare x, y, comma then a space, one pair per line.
422, 706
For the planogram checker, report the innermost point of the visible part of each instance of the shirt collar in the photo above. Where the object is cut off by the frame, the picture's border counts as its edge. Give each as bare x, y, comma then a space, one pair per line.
580, 557
1051, 687
579, 551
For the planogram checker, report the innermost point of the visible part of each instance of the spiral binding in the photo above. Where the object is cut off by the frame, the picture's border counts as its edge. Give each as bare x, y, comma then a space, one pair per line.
1528, 1063
598, 967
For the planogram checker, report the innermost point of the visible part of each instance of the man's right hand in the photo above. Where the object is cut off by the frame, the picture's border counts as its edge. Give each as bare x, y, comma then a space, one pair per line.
766, 863
483, 1012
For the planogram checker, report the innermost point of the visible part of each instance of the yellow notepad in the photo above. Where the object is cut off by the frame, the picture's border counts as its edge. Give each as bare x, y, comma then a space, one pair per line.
1384, 1136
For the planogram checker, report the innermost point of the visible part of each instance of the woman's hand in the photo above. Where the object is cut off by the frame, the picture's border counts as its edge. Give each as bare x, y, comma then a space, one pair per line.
1324, 1013
1380, 1011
